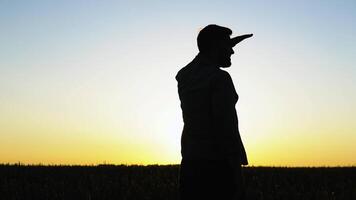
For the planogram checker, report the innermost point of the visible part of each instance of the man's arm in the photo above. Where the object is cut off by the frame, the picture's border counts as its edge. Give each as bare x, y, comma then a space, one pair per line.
223, 105
224, 117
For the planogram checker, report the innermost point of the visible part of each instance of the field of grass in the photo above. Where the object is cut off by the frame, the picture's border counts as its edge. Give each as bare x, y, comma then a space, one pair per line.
161, 182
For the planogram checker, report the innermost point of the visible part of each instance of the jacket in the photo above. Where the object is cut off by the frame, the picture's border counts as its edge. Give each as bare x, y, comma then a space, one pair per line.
208, 98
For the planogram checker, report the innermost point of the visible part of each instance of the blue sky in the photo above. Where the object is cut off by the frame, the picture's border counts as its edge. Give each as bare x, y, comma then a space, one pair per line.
101, 73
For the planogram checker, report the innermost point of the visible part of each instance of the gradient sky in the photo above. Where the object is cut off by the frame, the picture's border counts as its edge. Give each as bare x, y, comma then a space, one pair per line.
88, 82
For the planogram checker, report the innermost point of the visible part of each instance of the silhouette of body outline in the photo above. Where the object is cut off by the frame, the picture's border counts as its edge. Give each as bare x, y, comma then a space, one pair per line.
211, 146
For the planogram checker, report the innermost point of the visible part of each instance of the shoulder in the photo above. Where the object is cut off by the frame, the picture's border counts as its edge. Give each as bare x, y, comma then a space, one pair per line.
186, 70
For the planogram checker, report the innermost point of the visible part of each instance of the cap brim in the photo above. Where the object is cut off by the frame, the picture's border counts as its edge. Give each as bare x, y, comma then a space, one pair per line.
238, 39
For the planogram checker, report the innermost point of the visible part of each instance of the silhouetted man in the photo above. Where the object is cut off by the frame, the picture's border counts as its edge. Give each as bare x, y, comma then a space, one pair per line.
211, 147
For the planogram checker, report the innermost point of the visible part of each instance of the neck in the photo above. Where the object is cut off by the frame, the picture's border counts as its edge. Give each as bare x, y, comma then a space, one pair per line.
210, 58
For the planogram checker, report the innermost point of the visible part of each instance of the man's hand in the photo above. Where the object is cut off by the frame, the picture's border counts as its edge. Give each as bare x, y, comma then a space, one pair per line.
239, 38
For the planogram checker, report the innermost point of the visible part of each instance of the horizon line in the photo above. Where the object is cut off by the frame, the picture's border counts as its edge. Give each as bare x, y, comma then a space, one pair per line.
157, 164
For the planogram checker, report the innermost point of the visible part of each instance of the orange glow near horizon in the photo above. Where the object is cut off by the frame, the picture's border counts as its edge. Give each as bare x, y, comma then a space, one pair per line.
93, 83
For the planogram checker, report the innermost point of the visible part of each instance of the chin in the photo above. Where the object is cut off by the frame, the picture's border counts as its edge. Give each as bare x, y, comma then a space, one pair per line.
225, 61
226, 64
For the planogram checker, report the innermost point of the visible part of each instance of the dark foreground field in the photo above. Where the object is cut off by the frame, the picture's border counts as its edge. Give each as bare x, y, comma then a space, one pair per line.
160, 182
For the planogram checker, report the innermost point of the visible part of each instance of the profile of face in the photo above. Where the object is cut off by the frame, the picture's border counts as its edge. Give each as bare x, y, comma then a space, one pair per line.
223, 52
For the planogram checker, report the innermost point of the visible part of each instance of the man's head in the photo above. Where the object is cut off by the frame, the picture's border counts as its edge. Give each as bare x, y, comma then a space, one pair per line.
214, 41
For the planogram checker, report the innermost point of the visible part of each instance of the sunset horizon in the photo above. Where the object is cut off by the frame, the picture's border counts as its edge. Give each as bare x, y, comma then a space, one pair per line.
90, 83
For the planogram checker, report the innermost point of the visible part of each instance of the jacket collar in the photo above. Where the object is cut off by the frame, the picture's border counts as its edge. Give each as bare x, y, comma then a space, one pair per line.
205, 61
